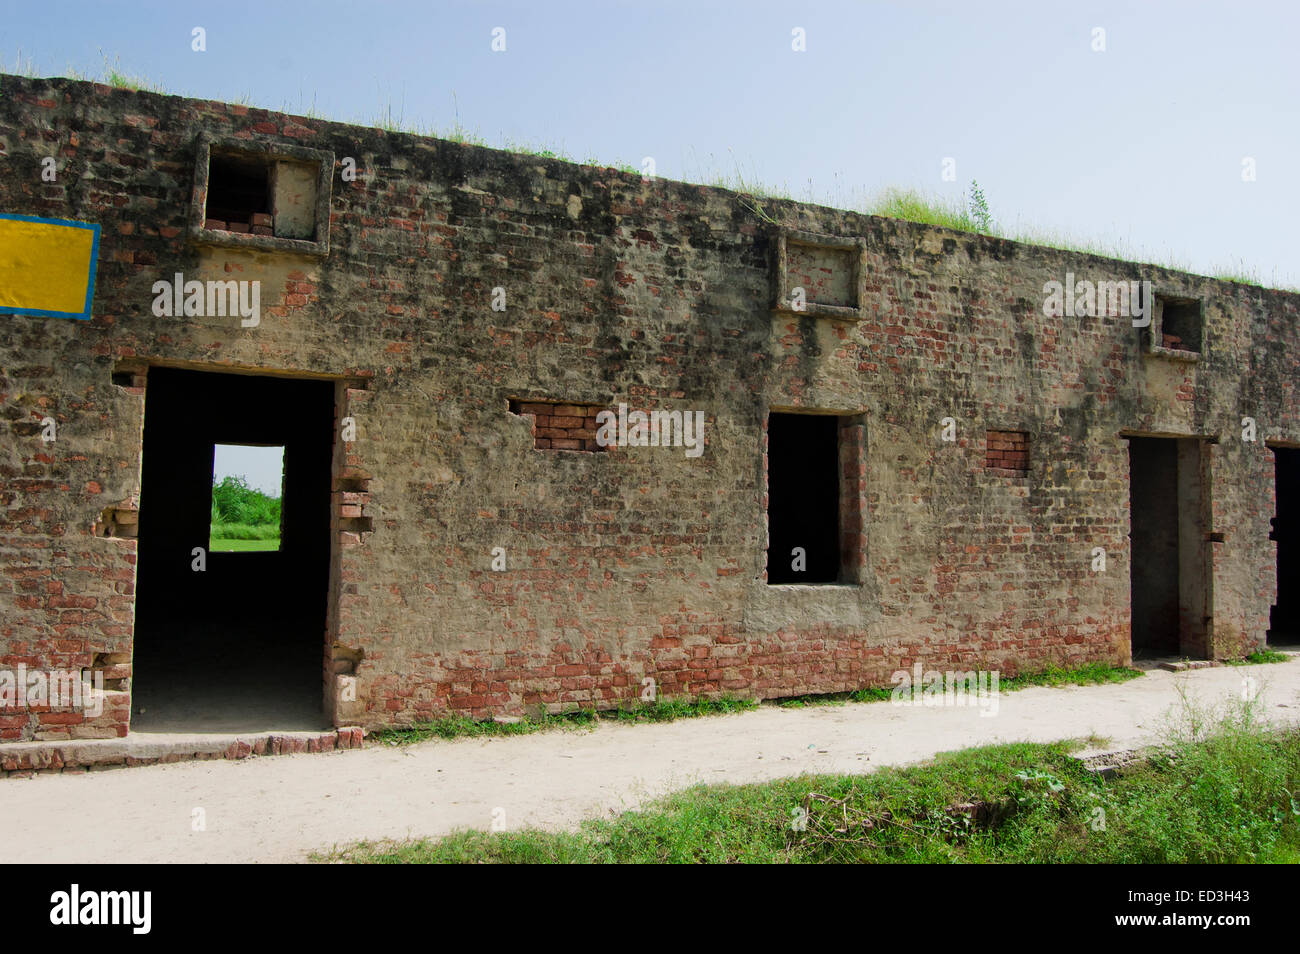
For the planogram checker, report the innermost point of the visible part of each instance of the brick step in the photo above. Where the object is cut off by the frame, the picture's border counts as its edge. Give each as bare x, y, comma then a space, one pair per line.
24, 759
1186, 664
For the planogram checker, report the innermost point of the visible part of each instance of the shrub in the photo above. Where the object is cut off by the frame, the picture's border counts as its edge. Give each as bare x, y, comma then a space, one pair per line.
234, 502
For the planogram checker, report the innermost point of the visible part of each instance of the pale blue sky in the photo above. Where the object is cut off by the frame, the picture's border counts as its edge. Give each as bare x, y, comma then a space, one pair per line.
262, 467
1139, 146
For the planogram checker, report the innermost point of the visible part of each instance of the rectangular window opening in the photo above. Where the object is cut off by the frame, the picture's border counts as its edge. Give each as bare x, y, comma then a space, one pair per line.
804, 497
247, 493
253, 195
239, 194
1180, 324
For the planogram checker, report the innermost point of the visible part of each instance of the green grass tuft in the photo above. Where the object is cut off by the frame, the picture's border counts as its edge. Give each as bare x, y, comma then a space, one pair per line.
245, 531
1088, 675
1260, 657
112, 73
243, 546
914, 206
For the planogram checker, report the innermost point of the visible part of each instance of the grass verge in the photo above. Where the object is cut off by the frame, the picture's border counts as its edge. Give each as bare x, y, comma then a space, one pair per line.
1222, 788
1089, 675
459, 727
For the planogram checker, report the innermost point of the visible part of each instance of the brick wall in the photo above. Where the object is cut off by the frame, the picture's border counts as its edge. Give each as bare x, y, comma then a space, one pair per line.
1007, 453
657, 294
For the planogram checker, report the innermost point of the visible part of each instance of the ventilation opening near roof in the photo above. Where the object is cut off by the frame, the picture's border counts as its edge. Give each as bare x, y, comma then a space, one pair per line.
239, 194
1180, 324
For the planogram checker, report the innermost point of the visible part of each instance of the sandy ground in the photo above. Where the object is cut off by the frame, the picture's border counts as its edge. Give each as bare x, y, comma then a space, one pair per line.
278, 809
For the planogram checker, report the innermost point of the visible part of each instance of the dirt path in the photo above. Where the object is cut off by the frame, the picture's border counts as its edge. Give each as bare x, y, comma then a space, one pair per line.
278, 809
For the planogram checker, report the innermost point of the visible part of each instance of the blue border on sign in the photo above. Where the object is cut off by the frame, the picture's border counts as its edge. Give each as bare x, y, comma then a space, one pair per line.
84, 314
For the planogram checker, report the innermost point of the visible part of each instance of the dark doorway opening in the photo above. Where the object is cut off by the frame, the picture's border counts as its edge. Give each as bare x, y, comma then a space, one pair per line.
1168, 575
238, 645
1284, 621
803, 498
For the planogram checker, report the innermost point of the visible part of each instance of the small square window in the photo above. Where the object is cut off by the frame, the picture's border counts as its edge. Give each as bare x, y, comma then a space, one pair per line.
239, 194
1180, 323
268, 197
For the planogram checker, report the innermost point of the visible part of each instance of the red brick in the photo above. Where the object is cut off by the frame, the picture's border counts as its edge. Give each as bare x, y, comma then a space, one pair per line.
62, 718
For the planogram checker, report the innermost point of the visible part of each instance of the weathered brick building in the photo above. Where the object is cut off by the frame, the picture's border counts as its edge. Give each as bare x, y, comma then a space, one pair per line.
934, 464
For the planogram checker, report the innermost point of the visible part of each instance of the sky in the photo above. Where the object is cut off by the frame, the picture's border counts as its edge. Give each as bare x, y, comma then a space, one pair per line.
1138, 137
262, 467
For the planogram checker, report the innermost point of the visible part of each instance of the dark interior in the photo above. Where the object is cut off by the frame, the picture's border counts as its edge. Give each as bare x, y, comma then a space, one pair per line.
240, 645
1182, 319
1284, 623
238, 187
1153, 485
803, 480
1169, 548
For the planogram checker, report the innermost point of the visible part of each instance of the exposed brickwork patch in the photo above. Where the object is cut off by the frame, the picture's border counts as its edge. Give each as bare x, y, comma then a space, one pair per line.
559, 426
1007, 453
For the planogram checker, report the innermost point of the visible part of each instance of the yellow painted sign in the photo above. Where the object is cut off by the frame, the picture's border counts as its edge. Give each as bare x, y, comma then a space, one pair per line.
47, 266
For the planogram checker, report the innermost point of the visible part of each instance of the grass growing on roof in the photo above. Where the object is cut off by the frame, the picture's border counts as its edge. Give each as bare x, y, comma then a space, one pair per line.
970, 215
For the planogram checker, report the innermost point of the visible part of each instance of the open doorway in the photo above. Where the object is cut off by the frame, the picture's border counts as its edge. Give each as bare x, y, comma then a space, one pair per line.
1168, 549
229, 633
803, 489
1284, 619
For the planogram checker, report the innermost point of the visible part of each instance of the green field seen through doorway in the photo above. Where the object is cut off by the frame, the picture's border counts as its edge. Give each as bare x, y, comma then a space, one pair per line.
247, 492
